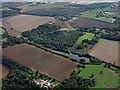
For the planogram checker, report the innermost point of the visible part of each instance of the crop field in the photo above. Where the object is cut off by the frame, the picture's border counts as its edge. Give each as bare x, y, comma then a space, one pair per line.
106, 79
88, 36
105, 50
23, 23
85, 22
5, 71
42, 61
7, 26
62, 24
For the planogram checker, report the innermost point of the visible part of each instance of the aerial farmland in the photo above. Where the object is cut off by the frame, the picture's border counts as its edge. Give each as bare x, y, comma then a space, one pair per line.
60, 45
42, 61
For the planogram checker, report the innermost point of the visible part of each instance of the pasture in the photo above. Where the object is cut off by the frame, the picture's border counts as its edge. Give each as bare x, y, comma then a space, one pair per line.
88, 36
92, 14
86, 22
40, 60
91, 2
23, 23
4, 71
105, 50
106, 79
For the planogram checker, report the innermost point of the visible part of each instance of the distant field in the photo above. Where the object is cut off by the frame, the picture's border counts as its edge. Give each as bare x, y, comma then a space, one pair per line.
42, 61
86, 22
91, 2
108, 79
105, 50
88, 36
5, 71
23, 23
92, 14
50, 5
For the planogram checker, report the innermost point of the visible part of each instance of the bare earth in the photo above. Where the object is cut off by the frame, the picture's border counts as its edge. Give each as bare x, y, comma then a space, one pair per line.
105, 50
23, 23
4, 70
40, 60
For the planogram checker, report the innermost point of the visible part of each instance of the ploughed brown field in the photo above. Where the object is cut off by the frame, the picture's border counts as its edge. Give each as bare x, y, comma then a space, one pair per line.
40, 60
62, 24
4, 72
23, 23
85, 22
106, 50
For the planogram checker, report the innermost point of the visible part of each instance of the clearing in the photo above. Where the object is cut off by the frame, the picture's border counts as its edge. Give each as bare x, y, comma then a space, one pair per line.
88, 36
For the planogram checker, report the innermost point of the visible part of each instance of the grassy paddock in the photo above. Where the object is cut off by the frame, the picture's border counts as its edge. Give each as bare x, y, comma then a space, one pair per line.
107, 79
92, 14
88, 36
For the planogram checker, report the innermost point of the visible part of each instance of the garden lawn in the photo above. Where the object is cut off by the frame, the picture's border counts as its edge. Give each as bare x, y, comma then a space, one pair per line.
108, 79
88, 36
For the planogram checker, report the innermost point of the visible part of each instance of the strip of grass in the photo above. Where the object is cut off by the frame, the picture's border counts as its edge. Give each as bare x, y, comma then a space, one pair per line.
88, 36
73, 18
107, 79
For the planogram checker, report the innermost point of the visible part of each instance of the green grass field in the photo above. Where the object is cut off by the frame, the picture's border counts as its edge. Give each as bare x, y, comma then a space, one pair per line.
73, 18
92, 14
108, 79
88, 36
2, 31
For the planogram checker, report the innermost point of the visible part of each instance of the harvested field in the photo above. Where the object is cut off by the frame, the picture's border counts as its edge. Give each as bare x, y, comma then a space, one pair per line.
5, 71
85, 22
40, 60
7, 26
105, 50
23, 23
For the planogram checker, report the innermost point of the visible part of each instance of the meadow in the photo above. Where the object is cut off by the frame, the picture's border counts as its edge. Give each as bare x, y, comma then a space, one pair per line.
92, 14
106, 79
88, 36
